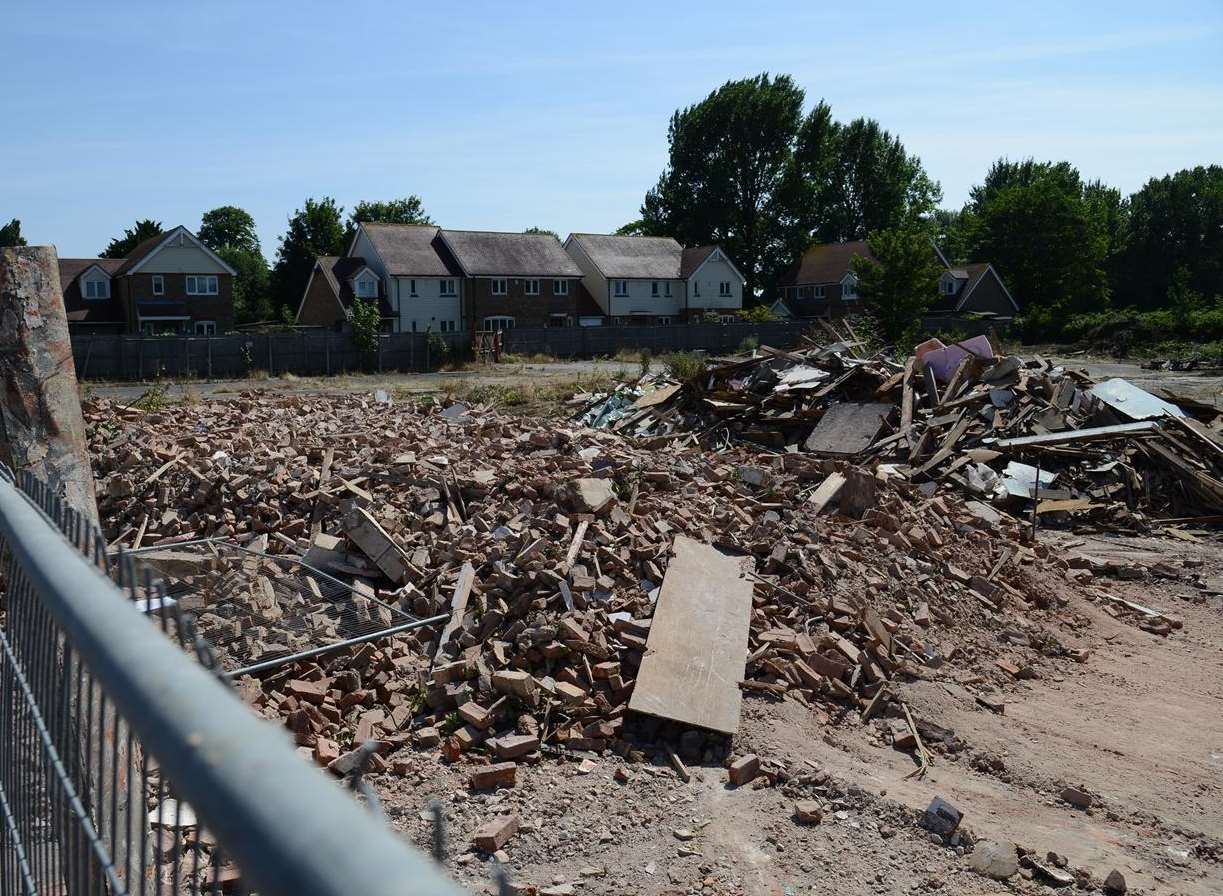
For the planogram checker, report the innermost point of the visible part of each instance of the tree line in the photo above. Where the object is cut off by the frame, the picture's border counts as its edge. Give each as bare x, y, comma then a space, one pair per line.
748, 169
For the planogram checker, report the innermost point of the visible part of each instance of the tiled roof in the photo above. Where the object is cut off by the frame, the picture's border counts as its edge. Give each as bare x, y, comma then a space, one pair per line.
484, 253
339, 273
79, 309
970, 275
410, 250
825, 263
693, 258
633, 257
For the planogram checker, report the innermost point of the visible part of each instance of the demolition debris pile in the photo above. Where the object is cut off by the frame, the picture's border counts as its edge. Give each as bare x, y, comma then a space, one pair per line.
1106, 453
549, 554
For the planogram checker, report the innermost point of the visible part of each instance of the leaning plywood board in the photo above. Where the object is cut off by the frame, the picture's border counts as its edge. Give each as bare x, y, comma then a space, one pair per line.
697, 648
847, 428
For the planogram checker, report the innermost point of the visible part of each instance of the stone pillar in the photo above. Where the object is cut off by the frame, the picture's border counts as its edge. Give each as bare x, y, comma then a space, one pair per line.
41, 426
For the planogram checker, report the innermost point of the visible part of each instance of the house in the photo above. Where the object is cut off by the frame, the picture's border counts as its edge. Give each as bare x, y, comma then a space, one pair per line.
170, 283
822, 283
974, 288
653, 280
428, 278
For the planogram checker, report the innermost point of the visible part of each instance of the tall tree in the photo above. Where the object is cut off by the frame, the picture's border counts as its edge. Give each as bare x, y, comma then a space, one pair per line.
10, 234
230, 232
873, 184
950, 231
1174, 222
317, 229
120, 247
230, 226
731, 157
408, 210
1031, 221
899, 283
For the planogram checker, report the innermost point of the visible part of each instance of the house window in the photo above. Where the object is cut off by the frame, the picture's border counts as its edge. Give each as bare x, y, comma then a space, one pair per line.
654, 288
726, 318
412, 288
446, 288
159, 285
620, 287
97, 289
849, 289
446, 326
202, 285
949, 286
819, 292
367, 288
499, 286
696, 289
666, 289
532, 287
559, 320
560, 287
497, 324
663, 321
205, 328
724, 288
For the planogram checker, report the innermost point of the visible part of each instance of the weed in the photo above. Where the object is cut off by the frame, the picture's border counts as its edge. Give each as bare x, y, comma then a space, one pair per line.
685, 366
749, 345
645, 357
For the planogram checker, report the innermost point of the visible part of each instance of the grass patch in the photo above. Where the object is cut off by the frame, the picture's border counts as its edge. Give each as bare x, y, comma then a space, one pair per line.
685, 366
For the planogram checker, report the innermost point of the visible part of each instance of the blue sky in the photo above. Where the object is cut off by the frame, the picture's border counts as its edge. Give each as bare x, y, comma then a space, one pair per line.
503, 116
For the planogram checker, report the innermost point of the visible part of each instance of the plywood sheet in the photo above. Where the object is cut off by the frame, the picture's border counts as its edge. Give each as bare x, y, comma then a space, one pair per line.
847, 428
697, 648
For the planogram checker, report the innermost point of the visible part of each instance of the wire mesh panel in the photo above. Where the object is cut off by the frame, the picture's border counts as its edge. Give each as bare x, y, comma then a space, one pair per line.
127, 767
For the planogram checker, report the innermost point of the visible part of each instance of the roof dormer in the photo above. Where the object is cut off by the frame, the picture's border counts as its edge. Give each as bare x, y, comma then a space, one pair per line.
950, 282
95, 283
365, 284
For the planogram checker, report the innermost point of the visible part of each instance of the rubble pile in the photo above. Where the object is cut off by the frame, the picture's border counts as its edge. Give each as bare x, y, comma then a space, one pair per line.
545, 552
1106, 453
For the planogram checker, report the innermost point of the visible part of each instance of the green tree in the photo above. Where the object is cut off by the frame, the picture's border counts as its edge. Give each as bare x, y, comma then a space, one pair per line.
366, 324
634, 228
900, 282
729, 166
1031, 221
317, 229
408, 210
1174, 222
749, 171
230, 232
121, 247
10, 234
543, 230
228, 225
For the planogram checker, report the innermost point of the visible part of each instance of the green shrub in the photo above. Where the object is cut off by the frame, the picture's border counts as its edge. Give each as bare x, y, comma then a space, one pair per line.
757, 314
749, 344
685, 366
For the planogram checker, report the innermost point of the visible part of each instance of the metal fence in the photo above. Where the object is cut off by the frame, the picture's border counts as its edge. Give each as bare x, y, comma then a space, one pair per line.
127, 766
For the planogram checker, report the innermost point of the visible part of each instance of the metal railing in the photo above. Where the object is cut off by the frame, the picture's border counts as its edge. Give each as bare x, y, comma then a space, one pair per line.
128, 767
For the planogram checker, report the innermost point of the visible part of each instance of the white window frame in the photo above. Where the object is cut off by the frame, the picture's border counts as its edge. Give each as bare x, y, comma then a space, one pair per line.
531, 286
820, 292
849, 291
159, 285
447, 288
446, 326
497, 323
560, 287
696, 289
411, 289
367, 288
203, 285
620, 288
666, 288
663, 321
205, 328
726, 318
100, 288
724, 289
949, 286
654, 288
500, 286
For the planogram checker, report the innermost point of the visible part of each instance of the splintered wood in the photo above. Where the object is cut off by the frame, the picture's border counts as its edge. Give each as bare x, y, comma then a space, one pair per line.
697, 647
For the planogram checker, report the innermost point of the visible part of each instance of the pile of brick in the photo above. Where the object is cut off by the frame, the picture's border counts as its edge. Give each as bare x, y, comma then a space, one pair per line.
544, 548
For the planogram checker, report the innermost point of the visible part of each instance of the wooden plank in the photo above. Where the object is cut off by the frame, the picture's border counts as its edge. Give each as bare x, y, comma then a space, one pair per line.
458, 605
827, 492
1079, 435
658, 396
365, 532
697, 648
847, 428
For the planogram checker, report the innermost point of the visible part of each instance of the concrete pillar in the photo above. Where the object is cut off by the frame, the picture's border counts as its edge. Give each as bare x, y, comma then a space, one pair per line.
41, 426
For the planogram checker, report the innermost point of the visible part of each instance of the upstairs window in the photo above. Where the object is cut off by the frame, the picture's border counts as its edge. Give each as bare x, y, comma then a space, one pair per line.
159, 285
666, 289
724, 288
654, 288
696, 289
412, 288
447, 288
499, 286
560, 287
949, 286
367, 288
201, 285
532, 287
620, 287
97, 289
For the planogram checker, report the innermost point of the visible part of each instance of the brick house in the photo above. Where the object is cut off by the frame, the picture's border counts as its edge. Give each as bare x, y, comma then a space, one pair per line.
170, 283
428, 278
654, 280
822, 284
